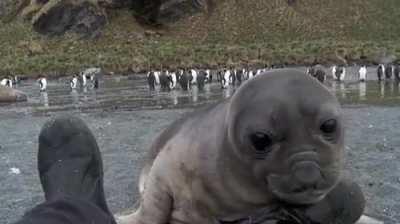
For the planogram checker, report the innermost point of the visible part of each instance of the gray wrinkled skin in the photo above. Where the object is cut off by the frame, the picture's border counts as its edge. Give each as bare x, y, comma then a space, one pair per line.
205, 168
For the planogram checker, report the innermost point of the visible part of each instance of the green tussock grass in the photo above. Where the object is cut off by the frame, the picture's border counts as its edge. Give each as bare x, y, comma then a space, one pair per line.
253, 32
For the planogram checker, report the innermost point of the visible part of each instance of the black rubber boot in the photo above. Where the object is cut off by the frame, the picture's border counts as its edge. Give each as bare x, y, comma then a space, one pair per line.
70, 163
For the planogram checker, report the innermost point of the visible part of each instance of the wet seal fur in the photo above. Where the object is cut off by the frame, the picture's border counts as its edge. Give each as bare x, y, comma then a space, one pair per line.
278, 141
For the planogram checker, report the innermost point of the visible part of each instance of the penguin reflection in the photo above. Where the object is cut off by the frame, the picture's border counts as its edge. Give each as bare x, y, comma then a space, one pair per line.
195, 95
44, 99
382, 89
75, 97
362, 90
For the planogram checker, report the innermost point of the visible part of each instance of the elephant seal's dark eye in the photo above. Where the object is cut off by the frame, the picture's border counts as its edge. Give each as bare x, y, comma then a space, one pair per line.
261, 141
329, 126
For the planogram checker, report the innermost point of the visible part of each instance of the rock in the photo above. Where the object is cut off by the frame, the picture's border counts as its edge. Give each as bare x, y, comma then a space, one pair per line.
88, 17
32, 8
115, 3
83, 17
10, 8
156, 12
147, 11
175, 10
9, 95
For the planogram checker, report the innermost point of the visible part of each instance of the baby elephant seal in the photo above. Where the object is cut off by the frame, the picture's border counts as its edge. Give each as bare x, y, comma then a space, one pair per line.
276, 143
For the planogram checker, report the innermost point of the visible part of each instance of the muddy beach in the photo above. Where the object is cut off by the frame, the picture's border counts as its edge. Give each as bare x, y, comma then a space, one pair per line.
125, 117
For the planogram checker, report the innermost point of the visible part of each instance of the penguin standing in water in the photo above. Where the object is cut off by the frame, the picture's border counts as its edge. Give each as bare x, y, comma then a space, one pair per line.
42, 84
311, 71
157, 77
388, 72
209, 76
318, 72
342, 74
245, 74
232, 77
165, 81
220, 74
73, 82
6, 82
251, 74
15, 80
396, 72
320, 75
334, 69
84, 79
339, 73
185, 80
201, 79
225, 79
239, 76
151, 80
92, 74
174, 80
380, 71
194, 75
362, 74
95, 80
179, 73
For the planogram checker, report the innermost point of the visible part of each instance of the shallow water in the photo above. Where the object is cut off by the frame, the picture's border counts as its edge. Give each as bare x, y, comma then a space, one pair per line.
125, 116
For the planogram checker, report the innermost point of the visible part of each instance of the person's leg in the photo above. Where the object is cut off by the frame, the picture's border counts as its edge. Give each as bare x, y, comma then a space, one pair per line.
71, 174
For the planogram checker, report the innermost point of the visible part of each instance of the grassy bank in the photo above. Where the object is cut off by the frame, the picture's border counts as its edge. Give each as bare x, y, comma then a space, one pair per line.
254, 33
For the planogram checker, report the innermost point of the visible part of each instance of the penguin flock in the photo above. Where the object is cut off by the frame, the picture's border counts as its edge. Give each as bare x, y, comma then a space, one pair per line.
388, 72
87, 78
338, 72
9, 81
186, 78
189, 77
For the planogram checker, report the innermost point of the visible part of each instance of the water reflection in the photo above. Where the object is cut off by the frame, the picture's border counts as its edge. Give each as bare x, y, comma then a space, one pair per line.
339, 88
195, 94
207, 91
396, 88
382, 88
44, 99
75, 97
134, 95
363, 90
174, 96
370, 92
184, 100
228, 92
